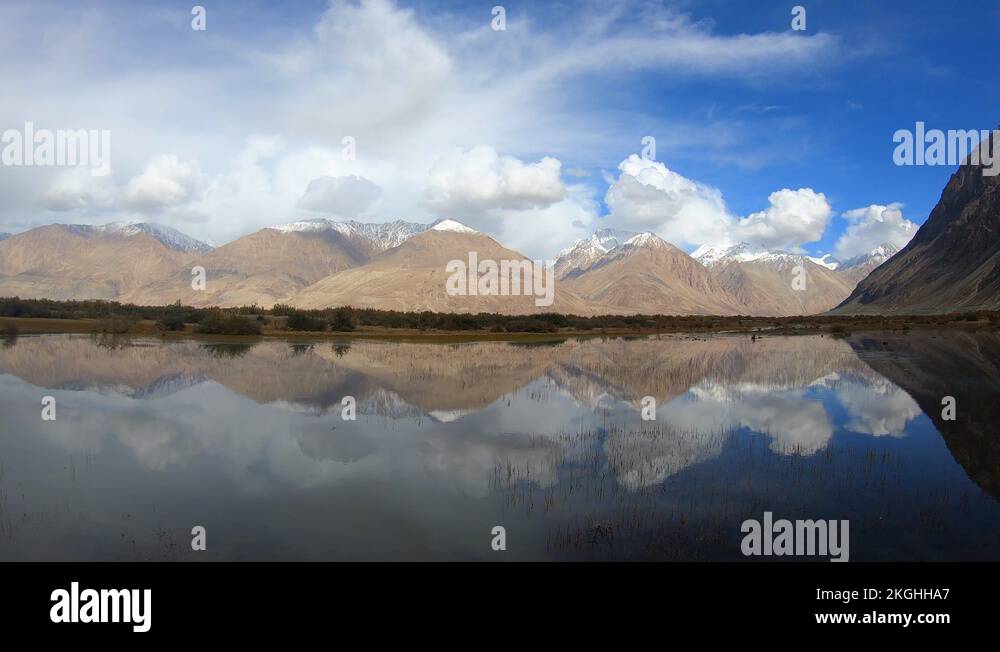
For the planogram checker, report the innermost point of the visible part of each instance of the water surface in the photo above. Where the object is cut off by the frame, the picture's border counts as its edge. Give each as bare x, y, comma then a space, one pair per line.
153, 438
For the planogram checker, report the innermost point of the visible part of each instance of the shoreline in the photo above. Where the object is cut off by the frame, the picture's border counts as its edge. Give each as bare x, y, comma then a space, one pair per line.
759, 326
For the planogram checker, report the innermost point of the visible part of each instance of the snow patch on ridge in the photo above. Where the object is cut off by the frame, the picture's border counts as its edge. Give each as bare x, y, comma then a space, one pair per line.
826, 260
715, 255
305, 226
381, 236
167, 236
643, 240
879, 255
452, 225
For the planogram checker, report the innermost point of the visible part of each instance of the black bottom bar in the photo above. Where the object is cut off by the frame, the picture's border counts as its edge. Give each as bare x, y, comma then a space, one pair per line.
721, 600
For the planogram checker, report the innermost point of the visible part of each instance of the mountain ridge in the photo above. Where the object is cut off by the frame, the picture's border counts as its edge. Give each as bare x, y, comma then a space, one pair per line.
953, 261
321, 262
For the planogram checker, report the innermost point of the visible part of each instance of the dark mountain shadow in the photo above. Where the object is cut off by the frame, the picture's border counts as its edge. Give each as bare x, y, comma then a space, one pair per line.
966, 366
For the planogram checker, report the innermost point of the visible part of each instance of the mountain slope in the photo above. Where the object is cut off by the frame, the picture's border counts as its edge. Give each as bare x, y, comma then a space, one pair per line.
858, 267
953, 261
413, 276
169, 237
368, 237
964, 366
265, 268
648, 275
762, 280
587, 251
84, 262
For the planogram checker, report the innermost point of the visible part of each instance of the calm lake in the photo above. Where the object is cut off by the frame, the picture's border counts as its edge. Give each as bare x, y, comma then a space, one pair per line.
546, 440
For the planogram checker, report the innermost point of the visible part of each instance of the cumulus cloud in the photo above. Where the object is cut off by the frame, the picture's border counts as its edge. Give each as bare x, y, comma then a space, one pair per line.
794, 217
166, 181
648, 196
389, 70
540, 232
872, 226
480, 179
409, 84
876, 406
347, 196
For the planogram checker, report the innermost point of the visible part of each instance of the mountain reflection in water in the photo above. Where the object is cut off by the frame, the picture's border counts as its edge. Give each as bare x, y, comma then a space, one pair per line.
153, 438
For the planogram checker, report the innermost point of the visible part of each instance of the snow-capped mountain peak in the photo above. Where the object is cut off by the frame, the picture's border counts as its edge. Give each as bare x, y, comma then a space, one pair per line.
873, 258
599, 242
860, 266
385, 235
305, 226
646, 240
884, 251
712, 255
167, 236
452, 225
716, 255
380, 236
586, 251
708, 252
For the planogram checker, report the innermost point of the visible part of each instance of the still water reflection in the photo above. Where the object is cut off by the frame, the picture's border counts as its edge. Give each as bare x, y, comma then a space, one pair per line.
153, 438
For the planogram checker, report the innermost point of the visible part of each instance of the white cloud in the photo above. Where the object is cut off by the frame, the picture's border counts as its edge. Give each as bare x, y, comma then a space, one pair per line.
409, 84
872, 226
794, 218
540, 232
347, 196
78, 189
876, 406
166, 181
480, 179
649, 196
372, 61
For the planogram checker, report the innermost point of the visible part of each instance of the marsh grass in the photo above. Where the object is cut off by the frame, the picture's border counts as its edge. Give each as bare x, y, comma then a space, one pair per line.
653, 493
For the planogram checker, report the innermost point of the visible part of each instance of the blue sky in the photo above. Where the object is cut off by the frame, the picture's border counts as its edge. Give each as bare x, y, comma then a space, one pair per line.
524, 133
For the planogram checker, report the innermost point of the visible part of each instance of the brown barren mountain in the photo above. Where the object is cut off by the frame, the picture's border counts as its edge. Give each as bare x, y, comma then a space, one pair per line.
413, 276
765, 288
953, 261
964, 366
265, 268
75, 262
649, 275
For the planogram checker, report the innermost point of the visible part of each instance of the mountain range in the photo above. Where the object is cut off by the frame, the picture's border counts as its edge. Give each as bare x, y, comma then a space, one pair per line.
951, 264
402, 266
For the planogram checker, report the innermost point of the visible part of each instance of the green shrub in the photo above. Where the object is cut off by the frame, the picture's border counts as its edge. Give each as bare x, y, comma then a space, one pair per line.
282, 310
300, 322
220, 323
342, 320
171, 323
